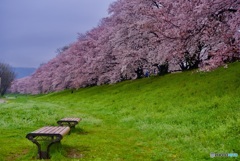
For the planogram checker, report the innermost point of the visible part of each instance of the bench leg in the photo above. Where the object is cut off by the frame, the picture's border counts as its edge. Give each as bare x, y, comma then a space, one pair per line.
44, 154
40, 153
48, 147
71, 124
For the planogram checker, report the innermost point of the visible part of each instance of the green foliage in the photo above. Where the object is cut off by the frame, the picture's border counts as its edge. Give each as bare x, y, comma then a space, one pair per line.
6, 77
182, 116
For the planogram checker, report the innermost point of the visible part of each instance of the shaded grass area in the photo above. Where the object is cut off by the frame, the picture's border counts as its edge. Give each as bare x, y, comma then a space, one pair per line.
182, 116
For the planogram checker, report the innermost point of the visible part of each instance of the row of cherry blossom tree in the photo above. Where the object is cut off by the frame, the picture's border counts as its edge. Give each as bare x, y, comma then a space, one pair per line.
143, 35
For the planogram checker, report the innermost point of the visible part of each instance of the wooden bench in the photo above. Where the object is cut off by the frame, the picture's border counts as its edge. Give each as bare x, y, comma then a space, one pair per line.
52, 134
71, 122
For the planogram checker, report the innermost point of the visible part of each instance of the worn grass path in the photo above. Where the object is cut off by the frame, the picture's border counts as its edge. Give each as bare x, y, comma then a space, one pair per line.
176, 117
2, 101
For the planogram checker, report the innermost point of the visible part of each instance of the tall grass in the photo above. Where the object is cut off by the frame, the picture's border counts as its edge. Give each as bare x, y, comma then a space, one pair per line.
182, 116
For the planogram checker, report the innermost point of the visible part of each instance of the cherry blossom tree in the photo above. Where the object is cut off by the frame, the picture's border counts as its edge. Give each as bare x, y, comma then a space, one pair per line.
139, 36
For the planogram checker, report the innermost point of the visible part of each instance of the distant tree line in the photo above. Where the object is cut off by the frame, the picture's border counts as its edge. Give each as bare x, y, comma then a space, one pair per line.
7, 75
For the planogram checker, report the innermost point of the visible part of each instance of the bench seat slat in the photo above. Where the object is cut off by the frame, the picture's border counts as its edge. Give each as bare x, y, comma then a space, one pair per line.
65, 132
59, 131
41, 130
51, 130
46, 130
71, 119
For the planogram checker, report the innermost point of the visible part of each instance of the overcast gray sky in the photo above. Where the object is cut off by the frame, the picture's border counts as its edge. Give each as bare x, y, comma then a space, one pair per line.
32, 30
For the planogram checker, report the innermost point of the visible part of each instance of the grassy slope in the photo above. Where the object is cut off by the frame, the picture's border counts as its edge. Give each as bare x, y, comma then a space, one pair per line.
182, 116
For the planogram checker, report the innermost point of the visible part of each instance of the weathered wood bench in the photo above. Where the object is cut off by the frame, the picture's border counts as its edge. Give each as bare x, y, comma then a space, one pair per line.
71, 122
52, 134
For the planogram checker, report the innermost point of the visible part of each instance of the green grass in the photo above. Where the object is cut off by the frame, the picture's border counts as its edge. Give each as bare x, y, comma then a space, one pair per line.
176, 117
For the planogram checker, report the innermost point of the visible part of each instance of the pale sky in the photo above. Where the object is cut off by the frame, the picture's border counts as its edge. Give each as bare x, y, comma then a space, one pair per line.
32, 30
